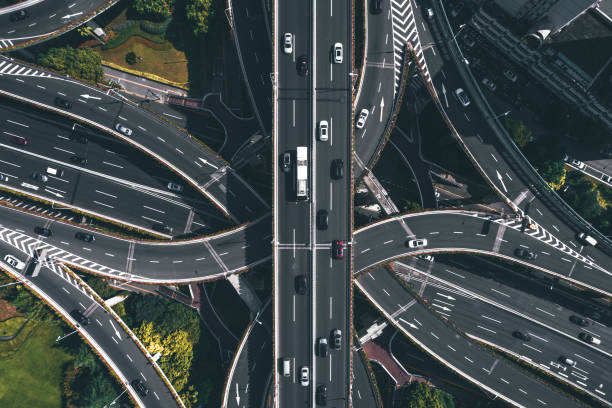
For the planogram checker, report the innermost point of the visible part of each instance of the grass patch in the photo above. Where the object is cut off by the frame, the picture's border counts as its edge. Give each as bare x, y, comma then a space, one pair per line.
10, 326
161, 59
32, 376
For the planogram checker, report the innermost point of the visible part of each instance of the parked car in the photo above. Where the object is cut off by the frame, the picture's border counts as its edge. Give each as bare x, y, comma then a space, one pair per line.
416, 243
361, 119
520, 335
580, 321
80, 317
301, 284
304, 376
525, 254
462, 97
322, 347
288, 43
302, 65
175, 187
84, 236
19, 15
337, 53
39, 177
489, 84
337, 338
338, 249
337, 169
577, 163
140, 388
123, 129
18, 140
589, 339
286, 162
14, 262
78, 160
323, 130
322, 219
510, 75
63, 103
45, 232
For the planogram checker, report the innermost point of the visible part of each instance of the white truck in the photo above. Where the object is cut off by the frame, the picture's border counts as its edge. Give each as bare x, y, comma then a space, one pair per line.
301, 173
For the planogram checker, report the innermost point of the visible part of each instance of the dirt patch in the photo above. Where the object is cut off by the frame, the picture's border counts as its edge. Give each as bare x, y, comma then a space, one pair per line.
7, 310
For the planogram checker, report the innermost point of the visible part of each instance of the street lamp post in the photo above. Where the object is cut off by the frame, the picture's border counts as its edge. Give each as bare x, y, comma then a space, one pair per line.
461, 27
502, 114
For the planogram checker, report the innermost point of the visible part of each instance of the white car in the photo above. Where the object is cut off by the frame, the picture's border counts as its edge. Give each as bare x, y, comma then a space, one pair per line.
489, 84
567, 361
337, 53
288, 43
323, 130
578, 163
361, 120
14, 262
462, 97
417, 243
125, 130
304, 376
510, 75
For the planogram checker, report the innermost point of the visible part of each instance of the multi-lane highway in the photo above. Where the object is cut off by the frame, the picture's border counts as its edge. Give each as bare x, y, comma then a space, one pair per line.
28, 22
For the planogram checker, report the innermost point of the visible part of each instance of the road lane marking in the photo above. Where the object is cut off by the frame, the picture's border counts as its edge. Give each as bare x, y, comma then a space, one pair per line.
484, 328
501, 293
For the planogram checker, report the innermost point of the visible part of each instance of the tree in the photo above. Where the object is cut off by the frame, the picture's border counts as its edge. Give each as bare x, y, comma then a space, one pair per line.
156, 10
151, 340
554, 173
197, 13
131, 58
422, 395
519, 132
83, 63
581, 195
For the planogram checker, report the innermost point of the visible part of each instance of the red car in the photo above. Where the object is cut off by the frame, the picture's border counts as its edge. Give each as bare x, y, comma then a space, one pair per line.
21, 141
338, 249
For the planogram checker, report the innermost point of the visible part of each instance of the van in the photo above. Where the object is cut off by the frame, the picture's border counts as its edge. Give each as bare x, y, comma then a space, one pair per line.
286, 367
55, 172
587, 239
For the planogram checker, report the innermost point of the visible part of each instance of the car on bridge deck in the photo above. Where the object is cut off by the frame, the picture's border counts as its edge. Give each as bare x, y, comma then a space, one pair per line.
288, 43
416, 243
301, 284
525, 254
521, 336
338, 249
14, 262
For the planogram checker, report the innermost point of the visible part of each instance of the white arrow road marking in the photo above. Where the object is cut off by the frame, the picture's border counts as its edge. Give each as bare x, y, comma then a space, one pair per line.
206, 162
73, 15
444, 92
446, 296
501, 180
116, 331
88, 96
237, 396
382, 105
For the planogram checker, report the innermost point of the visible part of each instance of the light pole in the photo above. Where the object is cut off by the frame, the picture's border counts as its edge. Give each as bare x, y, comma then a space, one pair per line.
115, 400
461, 27
502, 114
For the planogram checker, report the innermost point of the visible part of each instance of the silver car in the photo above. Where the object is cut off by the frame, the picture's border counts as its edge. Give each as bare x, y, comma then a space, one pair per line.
175, 187
304, 376
125, 130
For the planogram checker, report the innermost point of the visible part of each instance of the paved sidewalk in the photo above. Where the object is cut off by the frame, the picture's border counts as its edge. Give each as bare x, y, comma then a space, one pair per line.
142, 87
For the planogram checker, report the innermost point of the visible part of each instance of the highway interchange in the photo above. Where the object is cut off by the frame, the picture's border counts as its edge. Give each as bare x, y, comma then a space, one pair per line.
217, 198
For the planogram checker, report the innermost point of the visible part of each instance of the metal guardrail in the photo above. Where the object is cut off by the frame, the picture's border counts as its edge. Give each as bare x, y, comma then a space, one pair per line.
523, 167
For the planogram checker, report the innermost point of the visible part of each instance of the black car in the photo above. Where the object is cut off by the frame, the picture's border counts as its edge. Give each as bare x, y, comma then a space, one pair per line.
322, 219
321, 395
45, 232
302, 65
376, 6
579, 320
322, 347
83, 236
63, 103
79, 317
521, 335
286, 162
79, 137
525, 254
19, 15
159, 227
78, 160
301, 284
140, 388
337, 169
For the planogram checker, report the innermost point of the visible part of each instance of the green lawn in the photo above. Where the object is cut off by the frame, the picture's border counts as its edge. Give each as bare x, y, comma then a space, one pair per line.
32, 376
